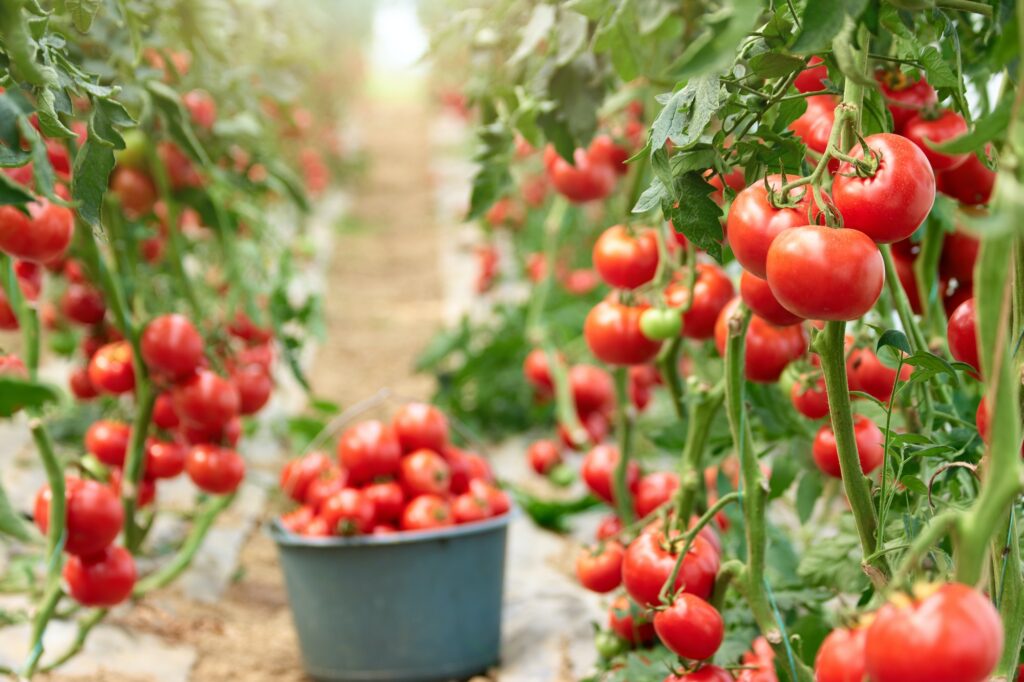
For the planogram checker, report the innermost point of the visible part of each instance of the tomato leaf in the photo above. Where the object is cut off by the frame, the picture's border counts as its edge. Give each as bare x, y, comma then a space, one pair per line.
11, 193
11, 523
616, 35
537, 29
893, 338
16, 394
695, 214
573, 31
82, 12
774, 64
95, 159
821, 21
986, 128
807, 493
713, 50
492, 178
940, 75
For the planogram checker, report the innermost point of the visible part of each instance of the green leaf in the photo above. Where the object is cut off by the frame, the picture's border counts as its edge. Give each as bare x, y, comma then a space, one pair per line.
774, 64
687, 112
11, 193
572, 36
95, 160
537, 29
784, 471
914, 484
42, 170
940, 74
82, 12
834, 562
713, 51
592, 9
807, 493
651, 197
893, 338
617, 36
177, 119
821, 21
696, 215
986, 128
16, 394
552, 514
11, 523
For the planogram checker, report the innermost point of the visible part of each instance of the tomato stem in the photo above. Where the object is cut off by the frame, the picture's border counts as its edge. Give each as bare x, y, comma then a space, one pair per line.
700, 414
966, 6
624, 429
667, 595
85, 626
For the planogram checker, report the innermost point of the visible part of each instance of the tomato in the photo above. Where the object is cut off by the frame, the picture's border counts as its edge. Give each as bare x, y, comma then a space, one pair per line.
768, 349
214, 469
470, 507
660, 324
810, 398
870, 447
891, 203
297, 520
254, 385
101, 580
83, 304
593, 389
8, 319
866, 373
180, 170
534, 190
596, 426
172, 346
970, 183
108, 441
585, 179
609, 527
164, 459
94, 515
962, 334
41, 236
953, 635
736, 181
80, 384
626, 258
145, 493
825, 273
947, 125
420, 426
368, 450
908, 279
649, 560
707, 673
841, 656
599, 569
329, 483
424, 472
612, 331
348, 512
134, 189
603, 149
543, 455
477, 468
387, 498
630, 622
496, 497
30, 278
111, 370
201, 108
317, 528
959, 254
811, 78
758, 296
598, 471
242, 327
537, 372
690, 627
298, 475
12, 366
426, 512
654, 490
905, 99
206, 400
581, 281
815, 125
711, 292
753, 222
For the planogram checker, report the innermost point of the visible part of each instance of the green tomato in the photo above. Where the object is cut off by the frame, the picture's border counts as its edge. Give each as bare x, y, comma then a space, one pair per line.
134, 153
660, 324
562, 476
608, 644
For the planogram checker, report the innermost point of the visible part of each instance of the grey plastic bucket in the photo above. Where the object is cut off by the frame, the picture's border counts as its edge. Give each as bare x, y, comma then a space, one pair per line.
408, 606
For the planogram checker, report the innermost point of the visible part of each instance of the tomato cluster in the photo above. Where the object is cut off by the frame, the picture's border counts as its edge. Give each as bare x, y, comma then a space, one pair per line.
391, 477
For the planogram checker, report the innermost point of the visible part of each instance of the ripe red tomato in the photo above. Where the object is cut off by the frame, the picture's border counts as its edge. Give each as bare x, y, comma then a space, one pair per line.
206, 400
214, 469
80, 384
299, 474
108, 441
690, 627
543, 455
893, 202
711, 292
103, 579
630, 622
134, 189
707, 673
180, 170
811, 78
387, 498
424, 472
593, 389
94, 515
242, 327
810, 399
30, 278
758, 296
330, 482
603, 149
368, 450
12, 366
870, 447
254, 385
970, 183
496, 497
962, 334
769, 349
172, 346
41, 236
736, 181
825, 273
111, 370
596, 426
8, 319
841, 656
609, 527
649, 560
654, 490
905, 98
470, 507
164, 459
420, 426
537, 372
815, 125
599, 569
585, 179
297, 520
908, 279
598, 470
426, 512
753, 222
83, 304
952, 635
959, 254
865, 372
201, 108
348, 512
626, 258
946, 126
144, 494
612, 331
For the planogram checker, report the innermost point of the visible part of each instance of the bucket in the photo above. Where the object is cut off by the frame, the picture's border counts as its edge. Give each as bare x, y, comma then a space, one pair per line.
408, 606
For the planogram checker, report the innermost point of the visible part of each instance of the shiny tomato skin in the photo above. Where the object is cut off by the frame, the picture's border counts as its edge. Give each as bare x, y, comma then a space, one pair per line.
971, 183
470, 508
298, 475
962, 334
172, 346
953, 635
80, 384
206, 400
496, 497
583, 180
40, 237
758, 296
368, 450
254, 385
325, 487
538, 373
108, 441
653, 490
630, 622
870, 447
111, 370
297, 520
102, 580
959, 256
648, 564
348, 512
690, 627
711, 292
825, 273
426, 512
811, 78
603, 149
753, 223
387, 498
83, 304
164, 459
815, 125
841, 656
612, 331
593, 389
810, 401
598, 470
543, 455
947, 126
94, 515
215, 469
866, 373
626, 258
424, 472
599, 569
893, 202
420, 426
904, 99
769, 349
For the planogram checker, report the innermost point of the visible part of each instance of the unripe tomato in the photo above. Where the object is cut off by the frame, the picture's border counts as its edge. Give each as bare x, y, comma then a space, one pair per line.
83, 304
387, 498
108, 441
426, 512
612, 331
660, 324
824, 273
711, 292
599, 569
348, 512
214, 469
649, 561
905, 98
866, 373
598, 470
206, 400
420, 426
424, 472
543, 455
368, 450
624, 258
654, 490
810, 400
172, 346
103, 579
890, 204
630, 622
758, 296
841, 656
962, 334
94, 515
690, 627
768, 349
41, 236
970, 183
753, 222
111, 370
870, 447
608, 644
811, 78
948, 125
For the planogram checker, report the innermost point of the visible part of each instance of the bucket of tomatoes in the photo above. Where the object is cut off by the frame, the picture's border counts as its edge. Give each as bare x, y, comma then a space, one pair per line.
394, 560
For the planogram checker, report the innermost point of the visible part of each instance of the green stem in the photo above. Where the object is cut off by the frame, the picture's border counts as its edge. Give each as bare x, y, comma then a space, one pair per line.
85, 626
668, 365
701, 413
47, 605
966, 6
666, 596
1011, 601
624, 429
